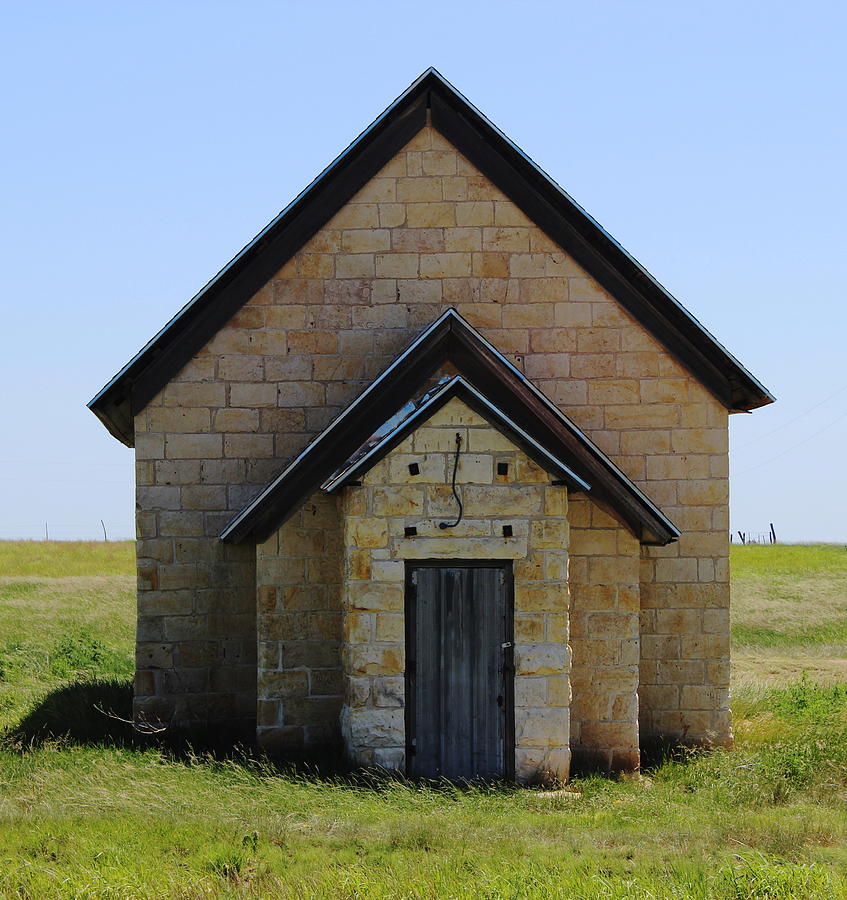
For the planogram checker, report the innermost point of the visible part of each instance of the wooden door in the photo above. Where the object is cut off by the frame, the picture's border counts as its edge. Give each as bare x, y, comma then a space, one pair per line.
459, 671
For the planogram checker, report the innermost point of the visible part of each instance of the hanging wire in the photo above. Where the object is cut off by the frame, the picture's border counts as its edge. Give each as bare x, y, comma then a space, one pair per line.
444, 525
787, 450
791, 421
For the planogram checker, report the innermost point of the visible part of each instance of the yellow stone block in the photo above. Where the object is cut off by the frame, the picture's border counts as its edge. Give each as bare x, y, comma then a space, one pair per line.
541, 659
550, 533
445, 265
390, 627
474, 214
454, 187
375, 596
439, 162
391, 215
378, 190
542, 598
541, 727
398, 500
431, 215
396, 265
529, 628
357, 627
374, 659
419, 189
370, 532
510, 240
432, 466
356, 215
365, 240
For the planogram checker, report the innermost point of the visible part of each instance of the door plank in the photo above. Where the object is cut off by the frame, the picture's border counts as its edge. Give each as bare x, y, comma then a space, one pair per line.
459, 691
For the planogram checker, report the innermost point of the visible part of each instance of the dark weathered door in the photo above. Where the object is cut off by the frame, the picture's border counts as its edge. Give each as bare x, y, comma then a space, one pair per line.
459, 671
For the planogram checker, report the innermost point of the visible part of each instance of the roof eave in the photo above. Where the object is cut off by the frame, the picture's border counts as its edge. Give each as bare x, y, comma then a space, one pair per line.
410, 116
114, 418
552, 209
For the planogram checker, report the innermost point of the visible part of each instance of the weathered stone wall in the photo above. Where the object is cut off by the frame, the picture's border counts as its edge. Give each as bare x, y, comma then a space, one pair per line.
196, 645
298, 572
605, 606
427, 233
376, 552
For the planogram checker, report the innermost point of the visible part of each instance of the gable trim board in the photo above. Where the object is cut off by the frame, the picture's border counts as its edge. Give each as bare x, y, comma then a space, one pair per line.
451, 339
456, 387
520, 179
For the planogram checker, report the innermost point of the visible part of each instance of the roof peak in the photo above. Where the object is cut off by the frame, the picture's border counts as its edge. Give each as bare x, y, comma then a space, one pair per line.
429, 98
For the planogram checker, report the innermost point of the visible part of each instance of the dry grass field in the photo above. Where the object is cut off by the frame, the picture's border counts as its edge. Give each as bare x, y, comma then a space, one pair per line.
789, 613
87, 812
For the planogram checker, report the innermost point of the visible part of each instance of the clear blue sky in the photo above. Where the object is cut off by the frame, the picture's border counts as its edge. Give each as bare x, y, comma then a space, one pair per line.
145, 143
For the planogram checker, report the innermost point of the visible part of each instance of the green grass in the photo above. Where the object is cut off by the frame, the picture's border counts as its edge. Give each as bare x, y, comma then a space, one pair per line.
66, 613
764, 821
55, 630
86, 819
789, 560
63, 559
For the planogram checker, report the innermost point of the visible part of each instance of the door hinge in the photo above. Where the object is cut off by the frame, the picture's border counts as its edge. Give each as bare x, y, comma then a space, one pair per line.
414, 578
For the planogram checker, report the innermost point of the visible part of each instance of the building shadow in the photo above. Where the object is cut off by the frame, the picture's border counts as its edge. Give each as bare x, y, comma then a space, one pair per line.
82, 712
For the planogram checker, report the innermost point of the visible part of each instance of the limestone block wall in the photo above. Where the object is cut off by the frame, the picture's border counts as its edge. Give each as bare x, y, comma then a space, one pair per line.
195, 638
376, 552
298, 573
605, 639
428, 232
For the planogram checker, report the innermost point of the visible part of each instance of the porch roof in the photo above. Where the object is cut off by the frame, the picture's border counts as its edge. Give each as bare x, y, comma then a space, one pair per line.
487, 379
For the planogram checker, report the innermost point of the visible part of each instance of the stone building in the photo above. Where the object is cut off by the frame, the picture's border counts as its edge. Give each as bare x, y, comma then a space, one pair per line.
435, 470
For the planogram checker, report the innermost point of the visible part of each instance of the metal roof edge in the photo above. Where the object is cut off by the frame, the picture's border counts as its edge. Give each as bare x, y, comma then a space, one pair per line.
253, 244
446, 393
327, 431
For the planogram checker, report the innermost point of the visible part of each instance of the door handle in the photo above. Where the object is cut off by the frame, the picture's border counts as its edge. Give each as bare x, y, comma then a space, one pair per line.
506, 645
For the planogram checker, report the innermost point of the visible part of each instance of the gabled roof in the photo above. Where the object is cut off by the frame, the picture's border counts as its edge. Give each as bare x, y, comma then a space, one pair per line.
450, 339
371, 453
552, 210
